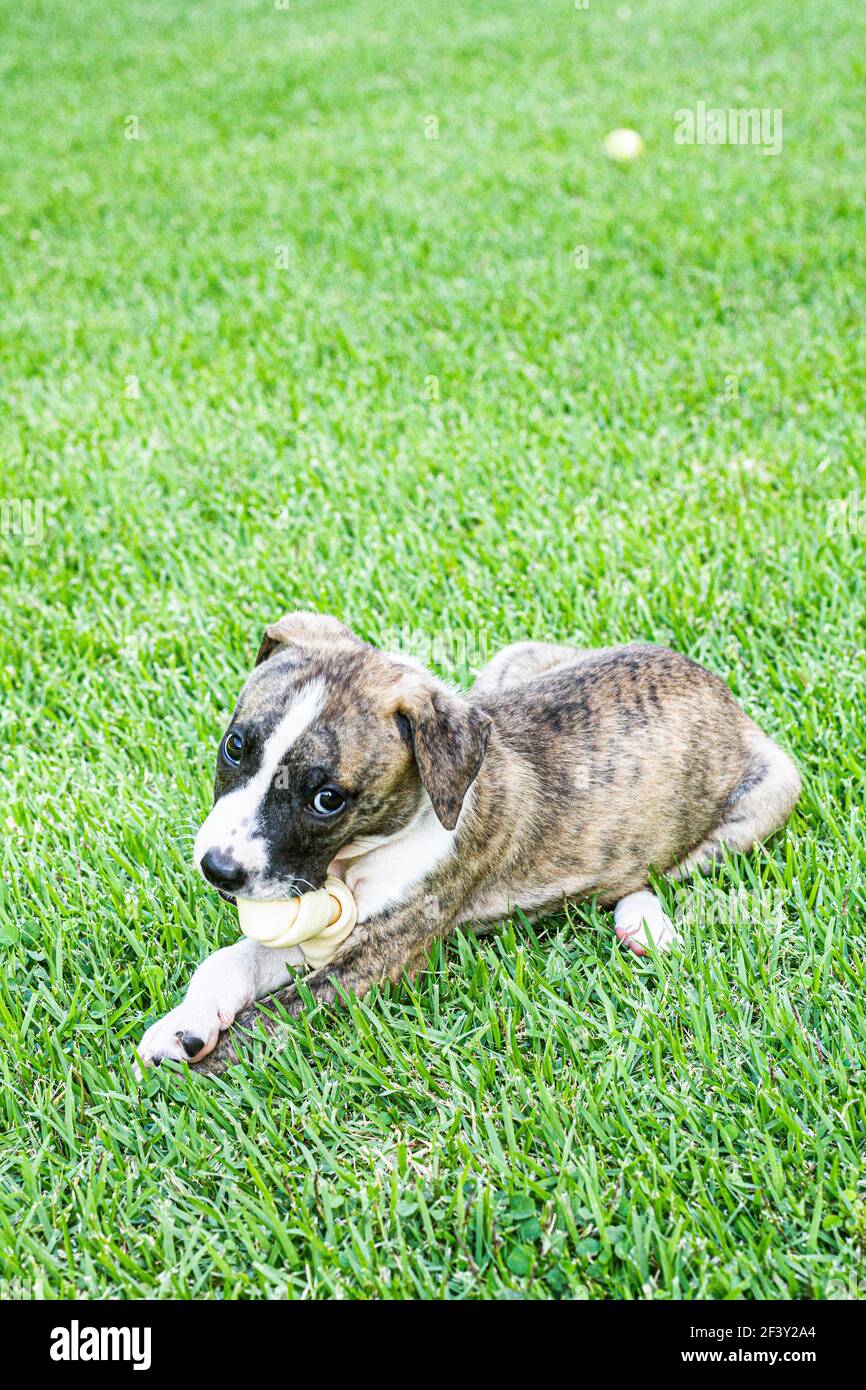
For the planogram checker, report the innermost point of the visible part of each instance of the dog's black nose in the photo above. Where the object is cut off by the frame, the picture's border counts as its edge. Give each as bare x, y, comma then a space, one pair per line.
222, 870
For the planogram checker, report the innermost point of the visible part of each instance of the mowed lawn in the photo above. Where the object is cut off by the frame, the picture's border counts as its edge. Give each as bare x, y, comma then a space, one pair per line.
343, 307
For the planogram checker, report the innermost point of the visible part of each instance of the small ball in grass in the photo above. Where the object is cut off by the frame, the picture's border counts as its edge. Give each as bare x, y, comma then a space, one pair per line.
623, 144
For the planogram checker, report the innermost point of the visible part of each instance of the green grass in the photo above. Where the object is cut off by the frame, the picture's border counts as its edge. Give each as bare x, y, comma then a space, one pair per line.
652, 447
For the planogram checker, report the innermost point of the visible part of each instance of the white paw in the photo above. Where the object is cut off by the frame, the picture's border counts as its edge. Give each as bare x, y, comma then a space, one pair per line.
187, 1034
223, 985
640, 919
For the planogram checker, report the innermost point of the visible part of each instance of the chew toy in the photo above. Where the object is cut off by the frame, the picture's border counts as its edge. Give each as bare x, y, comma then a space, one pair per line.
315, 922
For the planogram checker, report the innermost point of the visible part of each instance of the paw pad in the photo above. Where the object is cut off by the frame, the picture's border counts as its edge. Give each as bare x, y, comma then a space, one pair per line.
192, 1045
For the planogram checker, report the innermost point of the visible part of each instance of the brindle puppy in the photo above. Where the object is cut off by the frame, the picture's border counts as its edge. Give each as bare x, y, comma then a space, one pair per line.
563, 774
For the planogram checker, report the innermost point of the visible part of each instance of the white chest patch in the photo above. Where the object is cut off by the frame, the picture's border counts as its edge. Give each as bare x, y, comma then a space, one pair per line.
381, 876
231, 825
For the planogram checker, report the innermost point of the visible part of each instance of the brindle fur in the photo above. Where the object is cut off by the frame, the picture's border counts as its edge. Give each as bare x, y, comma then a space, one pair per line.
587, 769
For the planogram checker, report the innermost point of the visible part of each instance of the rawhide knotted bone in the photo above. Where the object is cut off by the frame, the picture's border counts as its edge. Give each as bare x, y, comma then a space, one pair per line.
316, 922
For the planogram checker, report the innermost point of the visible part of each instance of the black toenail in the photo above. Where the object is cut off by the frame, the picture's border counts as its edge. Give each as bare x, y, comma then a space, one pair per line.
192, 1045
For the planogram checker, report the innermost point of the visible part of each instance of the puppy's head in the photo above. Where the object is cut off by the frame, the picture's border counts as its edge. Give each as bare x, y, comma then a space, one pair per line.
331, 741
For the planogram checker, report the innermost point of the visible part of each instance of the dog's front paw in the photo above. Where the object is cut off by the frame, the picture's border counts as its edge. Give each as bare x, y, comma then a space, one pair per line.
187, 1034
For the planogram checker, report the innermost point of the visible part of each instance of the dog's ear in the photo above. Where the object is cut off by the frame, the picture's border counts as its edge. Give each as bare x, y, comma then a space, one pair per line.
449, 739
269, 644
304, 630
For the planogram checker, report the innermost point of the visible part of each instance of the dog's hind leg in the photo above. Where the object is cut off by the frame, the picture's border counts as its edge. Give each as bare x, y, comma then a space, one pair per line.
639, 918
760, 803
519, 663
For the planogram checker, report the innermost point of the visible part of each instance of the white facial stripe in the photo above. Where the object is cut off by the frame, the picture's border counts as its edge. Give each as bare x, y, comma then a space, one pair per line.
231, 825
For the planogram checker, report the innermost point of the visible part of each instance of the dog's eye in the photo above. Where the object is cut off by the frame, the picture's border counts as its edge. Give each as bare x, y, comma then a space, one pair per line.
232, 748
327, 802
